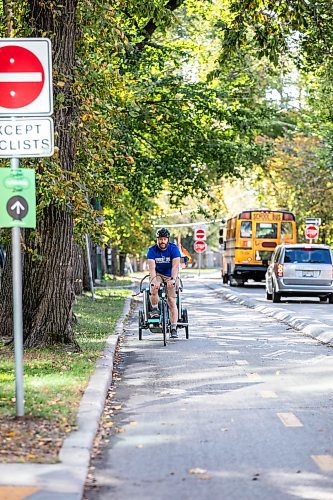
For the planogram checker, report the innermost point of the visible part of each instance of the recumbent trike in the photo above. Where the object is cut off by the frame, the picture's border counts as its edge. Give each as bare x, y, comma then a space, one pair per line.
161, 324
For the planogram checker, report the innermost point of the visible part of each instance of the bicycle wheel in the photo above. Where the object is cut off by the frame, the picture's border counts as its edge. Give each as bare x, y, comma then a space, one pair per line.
164, 321
185, 320
140, 324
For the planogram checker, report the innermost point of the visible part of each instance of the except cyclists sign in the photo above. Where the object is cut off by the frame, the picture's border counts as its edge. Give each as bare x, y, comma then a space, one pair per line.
200, 246
311, 232
26, 137
25, 77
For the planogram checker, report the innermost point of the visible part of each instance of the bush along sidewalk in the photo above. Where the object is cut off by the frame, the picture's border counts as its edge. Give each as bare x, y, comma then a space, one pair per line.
54, 382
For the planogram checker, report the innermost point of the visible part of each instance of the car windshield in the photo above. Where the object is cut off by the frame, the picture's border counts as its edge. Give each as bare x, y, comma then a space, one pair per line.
307, 256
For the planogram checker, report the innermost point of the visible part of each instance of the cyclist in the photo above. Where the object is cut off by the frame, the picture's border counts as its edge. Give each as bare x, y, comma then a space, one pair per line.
163, 263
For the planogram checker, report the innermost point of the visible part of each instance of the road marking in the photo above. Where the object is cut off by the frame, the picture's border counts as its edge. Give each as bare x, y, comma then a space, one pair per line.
254, 376
325, 462
241, 362
289, 420
232, 352
268, 394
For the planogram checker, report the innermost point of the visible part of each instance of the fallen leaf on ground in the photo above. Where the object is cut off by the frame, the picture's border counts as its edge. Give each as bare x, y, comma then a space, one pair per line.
197, 470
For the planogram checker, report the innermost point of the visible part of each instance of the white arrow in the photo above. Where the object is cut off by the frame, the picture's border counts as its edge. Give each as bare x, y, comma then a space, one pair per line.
17, 207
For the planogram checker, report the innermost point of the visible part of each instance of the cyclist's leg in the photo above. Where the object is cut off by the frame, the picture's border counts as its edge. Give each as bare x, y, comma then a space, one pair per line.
172, 300
154, 298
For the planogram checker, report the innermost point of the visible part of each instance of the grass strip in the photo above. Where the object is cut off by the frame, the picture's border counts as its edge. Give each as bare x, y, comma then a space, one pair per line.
55, 378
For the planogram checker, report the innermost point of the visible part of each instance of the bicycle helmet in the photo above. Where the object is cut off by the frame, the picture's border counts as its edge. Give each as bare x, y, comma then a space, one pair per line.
162, 233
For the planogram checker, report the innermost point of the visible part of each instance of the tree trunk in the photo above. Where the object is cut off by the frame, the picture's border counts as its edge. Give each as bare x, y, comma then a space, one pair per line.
86, 278
114, 261
6, 302
48, 280
48, 293
78, 264
122, 261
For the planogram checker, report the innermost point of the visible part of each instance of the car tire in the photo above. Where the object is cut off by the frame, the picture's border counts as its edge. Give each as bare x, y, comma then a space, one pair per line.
268, 295
276, 296
323, 299
330, 299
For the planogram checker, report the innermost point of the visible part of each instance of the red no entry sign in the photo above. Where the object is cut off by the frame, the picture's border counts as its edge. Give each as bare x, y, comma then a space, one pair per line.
21, 77
199, 233
25, 77
200, 246
311, 232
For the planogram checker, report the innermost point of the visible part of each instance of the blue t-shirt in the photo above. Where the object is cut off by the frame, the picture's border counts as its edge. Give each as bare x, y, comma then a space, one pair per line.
163, 258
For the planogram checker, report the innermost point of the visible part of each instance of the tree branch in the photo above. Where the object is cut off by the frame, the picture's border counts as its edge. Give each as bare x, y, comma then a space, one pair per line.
151, 26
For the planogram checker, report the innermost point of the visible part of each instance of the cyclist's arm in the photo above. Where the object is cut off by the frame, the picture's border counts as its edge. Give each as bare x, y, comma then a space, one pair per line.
152, 268
175, 267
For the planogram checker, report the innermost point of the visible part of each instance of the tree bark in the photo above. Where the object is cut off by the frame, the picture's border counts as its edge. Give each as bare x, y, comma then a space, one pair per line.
48, 279
79, 256
122, 261
114, 261
48, 286
6, 302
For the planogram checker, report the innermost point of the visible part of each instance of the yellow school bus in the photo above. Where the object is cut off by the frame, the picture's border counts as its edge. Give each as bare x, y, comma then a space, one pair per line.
249, 240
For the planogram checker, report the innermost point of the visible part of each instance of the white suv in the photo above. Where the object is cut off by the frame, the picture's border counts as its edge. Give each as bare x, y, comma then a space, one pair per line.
300, 270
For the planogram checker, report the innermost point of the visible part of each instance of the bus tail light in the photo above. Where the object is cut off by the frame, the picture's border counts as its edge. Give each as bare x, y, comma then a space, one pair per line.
279, 270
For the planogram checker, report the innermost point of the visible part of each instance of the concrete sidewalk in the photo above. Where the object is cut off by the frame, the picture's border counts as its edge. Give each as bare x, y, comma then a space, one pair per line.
316, 329
65, 480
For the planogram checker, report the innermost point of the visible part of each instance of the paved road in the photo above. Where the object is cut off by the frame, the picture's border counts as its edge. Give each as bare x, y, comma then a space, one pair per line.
303, 307
242, 410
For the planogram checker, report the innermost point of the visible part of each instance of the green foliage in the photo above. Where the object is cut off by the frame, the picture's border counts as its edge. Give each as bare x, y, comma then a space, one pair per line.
152, 113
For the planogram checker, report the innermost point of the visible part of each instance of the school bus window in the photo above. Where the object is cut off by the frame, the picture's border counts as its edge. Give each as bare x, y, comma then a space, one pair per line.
246, 229
266, 230
286, 230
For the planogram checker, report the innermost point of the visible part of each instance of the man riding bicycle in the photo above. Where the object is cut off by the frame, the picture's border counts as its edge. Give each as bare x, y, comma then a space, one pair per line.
163, 263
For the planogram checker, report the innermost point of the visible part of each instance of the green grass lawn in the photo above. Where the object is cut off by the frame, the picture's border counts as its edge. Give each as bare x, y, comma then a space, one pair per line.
55, 378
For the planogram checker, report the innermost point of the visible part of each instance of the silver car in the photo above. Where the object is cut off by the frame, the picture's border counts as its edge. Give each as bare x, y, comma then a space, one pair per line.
300, 270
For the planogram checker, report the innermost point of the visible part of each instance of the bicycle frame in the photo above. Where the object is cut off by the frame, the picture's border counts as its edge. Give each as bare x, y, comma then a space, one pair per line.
161, 324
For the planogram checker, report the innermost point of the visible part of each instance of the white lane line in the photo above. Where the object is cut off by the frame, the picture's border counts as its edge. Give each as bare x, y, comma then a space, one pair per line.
268, 394
241, 362
232, 352
325, 462
24, 76
254, 376
289, 420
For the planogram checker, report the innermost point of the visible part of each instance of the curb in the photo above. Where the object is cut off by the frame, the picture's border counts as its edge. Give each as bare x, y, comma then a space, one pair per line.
317, 330
66, 480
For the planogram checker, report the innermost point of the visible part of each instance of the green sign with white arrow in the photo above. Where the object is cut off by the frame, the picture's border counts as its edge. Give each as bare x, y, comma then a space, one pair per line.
17, 197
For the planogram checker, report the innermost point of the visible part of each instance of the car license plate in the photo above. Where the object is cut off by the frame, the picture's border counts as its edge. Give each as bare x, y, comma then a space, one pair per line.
308, 274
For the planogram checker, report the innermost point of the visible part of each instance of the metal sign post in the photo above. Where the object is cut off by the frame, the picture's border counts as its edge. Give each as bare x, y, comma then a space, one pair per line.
17, 311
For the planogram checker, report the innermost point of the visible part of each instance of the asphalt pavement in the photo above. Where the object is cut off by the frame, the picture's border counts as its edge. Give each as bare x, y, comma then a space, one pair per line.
241, 410
65, 480
314, 321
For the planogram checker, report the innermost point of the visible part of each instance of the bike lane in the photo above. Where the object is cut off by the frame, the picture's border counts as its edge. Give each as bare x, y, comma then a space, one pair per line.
240, 410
